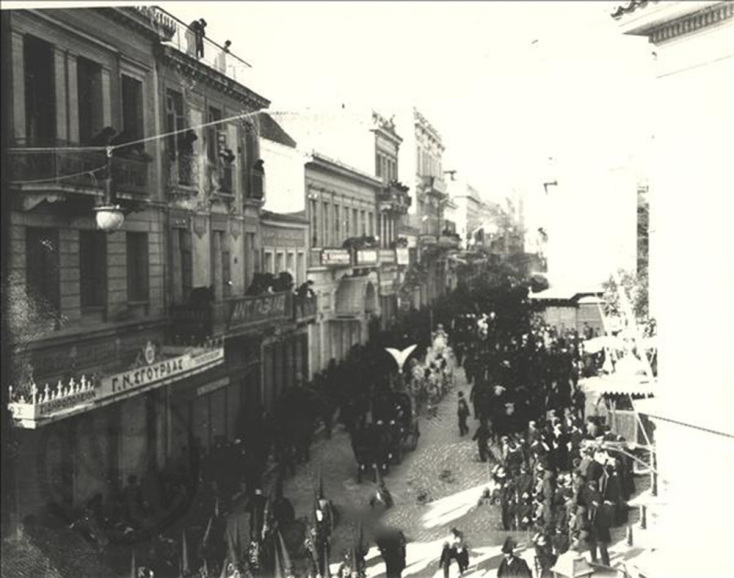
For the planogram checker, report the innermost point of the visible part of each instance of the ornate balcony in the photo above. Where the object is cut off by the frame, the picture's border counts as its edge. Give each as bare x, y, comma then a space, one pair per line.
77, 172
434, 186
305, 309
394, 198
183, 175
239, 315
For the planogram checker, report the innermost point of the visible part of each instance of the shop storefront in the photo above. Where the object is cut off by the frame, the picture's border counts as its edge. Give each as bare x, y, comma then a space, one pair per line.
85, 436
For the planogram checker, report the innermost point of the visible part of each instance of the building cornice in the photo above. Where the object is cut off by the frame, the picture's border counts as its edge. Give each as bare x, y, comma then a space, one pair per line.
693, 22
207, 75
663, 21
323, 162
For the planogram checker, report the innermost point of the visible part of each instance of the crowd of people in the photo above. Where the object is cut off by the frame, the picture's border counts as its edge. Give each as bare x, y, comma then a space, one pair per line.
554, 473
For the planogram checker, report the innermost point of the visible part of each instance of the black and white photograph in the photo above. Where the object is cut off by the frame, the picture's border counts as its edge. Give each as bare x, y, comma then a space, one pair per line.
367, 289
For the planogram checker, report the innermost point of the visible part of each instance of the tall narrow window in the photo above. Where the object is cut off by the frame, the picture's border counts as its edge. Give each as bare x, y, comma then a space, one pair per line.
355, 222
212, 134
42, 265
137, 266
40, 103
371, 228
226, 271
363, 222
314, 223
325, 237
291, 265
174, 120
132, 108
268, 262
378, 164
89, 94
187, 268
93, 268
337, 225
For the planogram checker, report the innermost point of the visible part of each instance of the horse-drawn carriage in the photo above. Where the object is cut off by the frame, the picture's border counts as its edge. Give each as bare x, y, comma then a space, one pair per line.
393, 430
395, 410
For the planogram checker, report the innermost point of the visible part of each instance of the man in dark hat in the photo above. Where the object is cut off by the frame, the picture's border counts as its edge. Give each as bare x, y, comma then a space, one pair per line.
512, 566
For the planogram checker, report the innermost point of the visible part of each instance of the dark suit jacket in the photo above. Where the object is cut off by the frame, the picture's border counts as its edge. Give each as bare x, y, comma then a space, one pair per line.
514, 568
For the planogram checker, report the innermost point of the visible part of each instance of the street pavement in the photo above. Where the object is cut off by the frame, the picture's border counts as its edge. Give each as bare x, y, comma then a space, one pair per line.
435, 488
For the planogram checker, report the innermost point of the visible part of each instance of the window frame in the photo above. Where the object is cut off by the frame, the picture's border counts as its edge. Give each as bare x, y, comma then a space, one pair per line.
140, 249
95, 242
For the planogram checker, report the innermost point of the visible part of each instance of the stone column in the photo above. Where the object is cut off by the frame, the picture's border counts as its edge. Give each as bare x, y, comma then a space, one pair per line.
176, 265
62, 101
106, 98
18, 116
216, 263
73, 98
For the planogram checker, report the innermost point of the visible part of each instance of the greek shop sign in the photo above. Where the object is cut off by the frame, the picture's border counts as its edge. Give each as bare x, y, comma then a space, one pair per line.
157, 372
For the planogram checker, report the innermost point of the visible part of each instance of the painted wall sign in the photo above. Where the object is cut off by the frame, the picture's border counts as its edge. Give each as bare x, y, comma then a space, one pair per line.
335, 257
159, 371
402, 255
367, 257
253, 309
387, 256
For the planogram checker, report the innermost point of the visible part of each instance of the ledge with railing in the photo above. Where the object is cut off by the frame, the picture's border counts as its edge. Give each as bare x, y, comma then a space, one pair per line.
231, 316
305, 308
79, 169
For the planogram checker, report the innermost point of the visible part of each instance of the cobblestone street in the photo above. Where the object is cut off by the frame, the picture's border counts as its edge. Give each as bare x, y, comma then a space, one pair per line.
435, 488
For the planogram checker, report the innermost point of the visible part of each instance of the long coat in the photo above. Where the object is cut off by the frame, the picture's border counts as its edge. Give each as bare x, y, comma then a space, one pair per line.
514, 568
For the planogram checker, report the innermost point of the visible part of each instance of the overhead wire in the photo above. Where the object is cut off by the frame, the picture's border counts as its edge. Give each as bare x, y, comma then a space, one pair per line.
113, 148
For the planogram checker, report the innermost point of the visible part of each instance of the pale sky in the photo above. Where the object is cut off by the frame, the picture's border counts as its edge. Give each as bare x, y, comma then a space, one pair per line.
500, 100
507, 84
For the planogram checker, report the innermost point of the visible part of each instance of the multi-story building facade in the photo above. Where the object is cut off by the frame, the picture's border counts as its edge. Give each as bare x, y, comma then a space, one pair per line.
87, 303
472, 215
138, 345
421, 160
343, 263
285, 248
690, 171
393, 202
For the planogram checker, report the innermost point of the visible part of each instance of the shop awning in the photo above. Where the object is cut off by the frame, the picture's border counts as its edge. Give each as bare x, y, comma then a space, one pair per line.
615, 384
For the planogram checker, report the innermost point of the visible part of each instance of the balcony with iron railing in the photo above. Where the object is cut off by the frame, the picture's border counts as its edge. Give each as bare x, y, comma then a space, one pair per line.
394, 197
305, 308
432, 185
228, 317
82, 171
183, 175
184, 38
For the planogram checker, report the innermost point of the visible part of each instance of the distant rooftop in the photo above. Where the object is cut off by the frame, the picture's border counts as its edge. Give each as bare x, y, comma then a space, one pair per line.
272, 131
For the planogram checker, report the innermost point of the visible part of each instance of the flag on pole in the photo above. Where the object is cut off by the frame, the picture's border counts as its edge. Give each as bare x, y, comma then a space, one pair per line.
184, 554
133, 565
287, 564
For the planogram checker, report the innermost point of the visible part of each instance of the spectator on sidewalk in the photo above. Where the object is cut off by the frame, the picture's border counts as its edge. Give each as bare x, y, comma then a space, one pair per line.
463, 413
482, 436
454, 549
